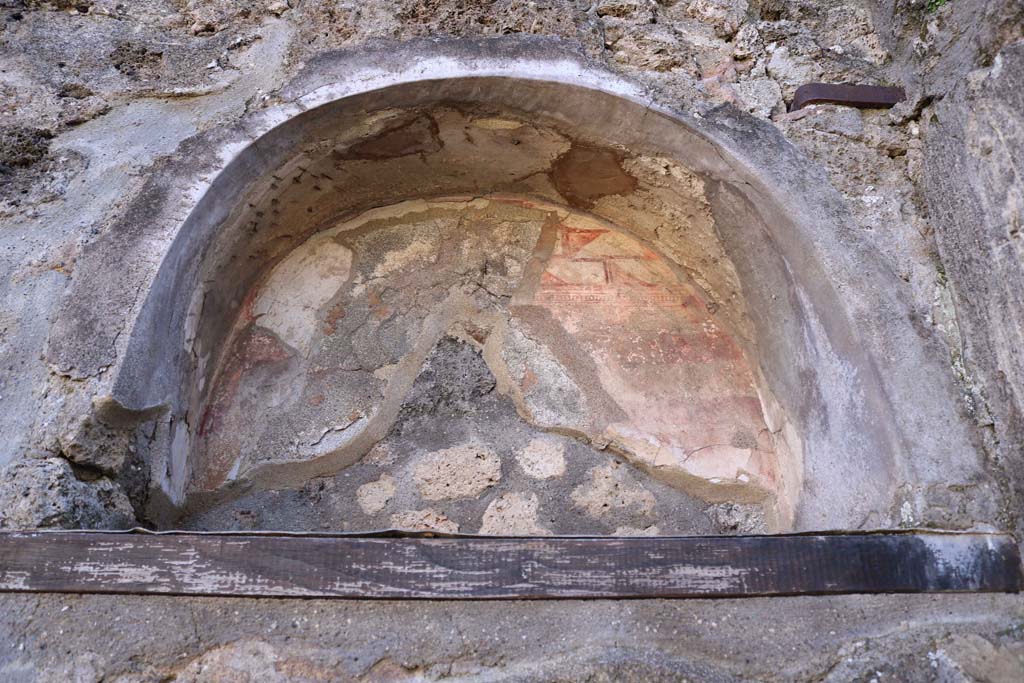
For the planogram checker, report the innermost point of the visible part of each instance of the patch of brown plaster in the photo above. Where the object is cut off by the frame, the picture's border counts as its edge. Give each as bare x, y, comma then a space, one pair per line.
419, 136
584, 174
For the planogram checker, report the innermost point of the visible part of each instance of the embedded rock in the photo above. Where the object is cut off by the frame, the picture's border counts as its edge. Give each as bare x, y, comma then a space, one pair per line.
20, 146
45, 493
90, 443
542, 458
374, 496
513, 514
463, 471
423, 520
738, 518
612, 489
759, 96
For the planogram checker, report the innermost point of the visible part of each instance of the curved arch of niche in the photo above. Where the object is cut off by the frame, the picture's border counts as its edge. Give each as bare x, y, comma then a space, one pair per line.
729, 206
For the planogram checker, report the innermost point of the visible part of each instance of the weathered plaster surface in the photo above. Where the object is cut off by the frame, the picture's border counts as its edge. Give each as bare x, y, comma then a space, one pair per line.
918, 639
863, 261
416, 324
145, 379
963, 70
783, 285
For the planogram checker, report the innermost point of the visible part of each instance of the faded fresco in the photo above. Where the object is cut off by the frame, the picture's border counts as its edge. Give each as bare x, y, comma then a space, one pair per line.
678, 376
484, 365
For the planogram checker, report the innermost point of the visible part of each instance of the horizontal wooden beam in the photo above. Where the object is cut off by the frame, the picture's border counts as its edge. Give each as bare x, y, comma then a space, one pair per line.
346, 566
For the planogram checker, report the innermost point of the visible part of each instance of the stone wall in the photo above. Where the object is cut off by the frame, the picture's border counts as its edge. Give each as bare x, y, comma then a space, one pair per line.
916, 639
728, 59
103, 103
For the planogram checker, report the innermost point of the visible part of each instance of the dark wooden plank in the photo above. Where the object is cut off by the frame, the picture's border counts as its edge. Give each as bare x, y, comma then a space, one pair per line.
505, 568
862, 96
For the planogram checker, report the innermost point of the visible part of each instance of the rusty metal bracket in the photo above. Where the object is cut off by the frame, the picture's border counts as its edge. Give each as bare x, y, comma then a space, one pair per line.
861, 96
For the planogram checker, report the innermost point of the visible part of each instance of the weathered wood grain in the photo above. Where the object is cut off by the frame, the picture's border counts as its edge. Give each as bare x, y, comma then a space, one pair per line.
262, 565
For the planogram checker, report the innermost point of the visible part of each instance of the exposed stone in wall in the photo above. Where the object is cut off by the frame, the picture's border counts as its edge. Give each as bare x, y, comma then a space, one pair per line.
513, 514
460, 472
374, 496
738, 518
20, 146
40, 493
611, 489
89, 443
423, 520
331, 24
542, 458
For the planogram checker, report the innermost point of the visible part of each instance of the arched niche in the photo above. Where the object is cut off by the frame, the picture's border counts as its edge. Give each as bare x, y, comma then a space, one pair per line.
748, 229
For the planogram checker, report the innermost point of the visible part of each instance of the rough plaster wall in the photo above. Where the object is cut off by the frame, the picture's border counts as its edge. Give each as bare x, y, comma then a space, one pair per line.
167, 70
962, 65
911, 639
81, 120
135, 84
